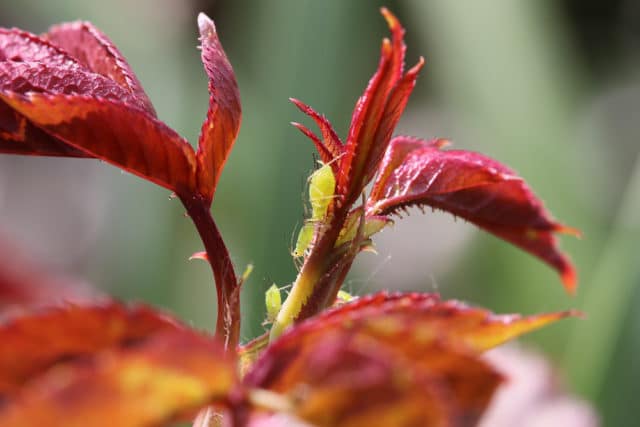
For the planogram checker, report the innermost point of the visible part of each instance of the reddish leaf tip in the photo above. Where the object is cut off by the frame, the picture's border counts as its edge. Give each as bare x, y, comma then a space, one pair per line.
199, 255
440, 142
205, 25
416, 68
392, 20
569, 279
386, 47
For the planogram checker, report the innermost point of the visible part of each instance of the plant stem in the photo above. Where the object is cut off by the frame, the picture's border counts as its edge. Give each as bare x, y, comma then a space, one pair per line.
227, 286
315, 282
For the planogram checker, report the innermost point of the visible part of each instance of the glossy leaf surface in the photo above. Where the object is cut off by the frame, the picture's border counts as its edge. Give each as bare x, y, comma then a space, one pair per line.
474, 187
93, 49
221, 126
73, 94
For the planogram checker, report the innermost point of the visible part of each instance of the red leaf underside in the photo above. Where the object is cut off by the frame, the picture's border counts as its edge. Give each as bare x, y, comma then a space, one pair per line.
471, 186
220, 128
124, 136
360, 150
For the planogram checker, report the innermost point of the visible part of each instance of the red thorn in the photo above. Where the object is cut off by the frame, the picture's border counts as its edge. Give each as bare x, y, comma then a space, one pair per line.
199, 255
565, 229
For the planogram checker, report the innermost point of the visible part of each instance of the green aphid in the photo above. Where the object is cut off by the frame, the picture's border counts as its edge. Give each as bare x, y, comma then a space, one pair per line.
305, 236
322, 187
273, 302
344, 296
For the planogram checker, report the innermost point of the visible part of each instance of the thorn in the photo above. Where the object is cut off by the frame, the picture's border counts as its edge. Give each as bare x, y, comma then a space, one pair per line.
199, 255
565, 229
246, 273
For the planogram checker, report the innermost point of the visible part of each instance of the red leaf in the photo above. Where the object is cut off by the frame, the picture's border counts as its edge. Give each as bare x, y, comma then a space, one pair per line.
152, 383
220, 128
94, 50
389, 317
36, 77
19, 136
343, 380
325, 155
362, 147
330, 148
474, 187
32, 342
20, 46
117, 133
342, 359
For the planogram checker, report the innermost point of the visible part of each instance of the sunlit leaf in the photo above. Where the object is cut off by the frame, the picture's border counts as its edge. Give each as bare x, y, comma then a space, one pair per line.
336, 381
149, 383
221, 126
420, 319
474, 187
93, 49
34, 341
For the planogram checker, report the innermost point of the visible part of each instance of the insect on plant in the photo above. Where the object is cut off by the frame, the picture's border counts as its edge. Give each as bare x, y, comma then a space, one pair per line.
329, 358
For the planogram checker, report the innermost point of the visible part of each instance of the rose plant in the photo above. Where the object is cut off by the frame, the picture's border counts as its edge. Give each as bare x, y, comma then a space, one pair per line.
400, 359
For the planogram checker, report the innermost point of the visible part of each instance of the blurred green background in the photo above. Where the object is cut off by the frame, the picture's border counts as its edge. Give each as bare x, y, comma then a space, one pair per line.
551, 88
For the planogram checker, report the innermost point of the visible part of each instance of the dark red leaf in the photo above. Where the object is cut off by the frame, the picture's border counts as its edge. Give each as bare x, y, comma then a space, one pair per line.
56, 72
325, 155
393, 110
220, 128
94, 50
370, 108
19, 46
36, 77
117, 133
19, 136
471, 186
330, 147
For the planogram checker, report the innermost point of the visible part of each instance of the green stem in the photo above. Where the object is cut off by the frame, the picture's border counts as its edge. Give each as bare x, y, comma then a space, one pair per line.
300, 292
227, 286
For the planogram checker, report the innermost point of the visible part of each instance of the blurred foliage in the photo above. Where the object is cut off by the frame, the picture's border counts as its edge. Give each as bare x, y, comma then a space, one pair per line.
551, 88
